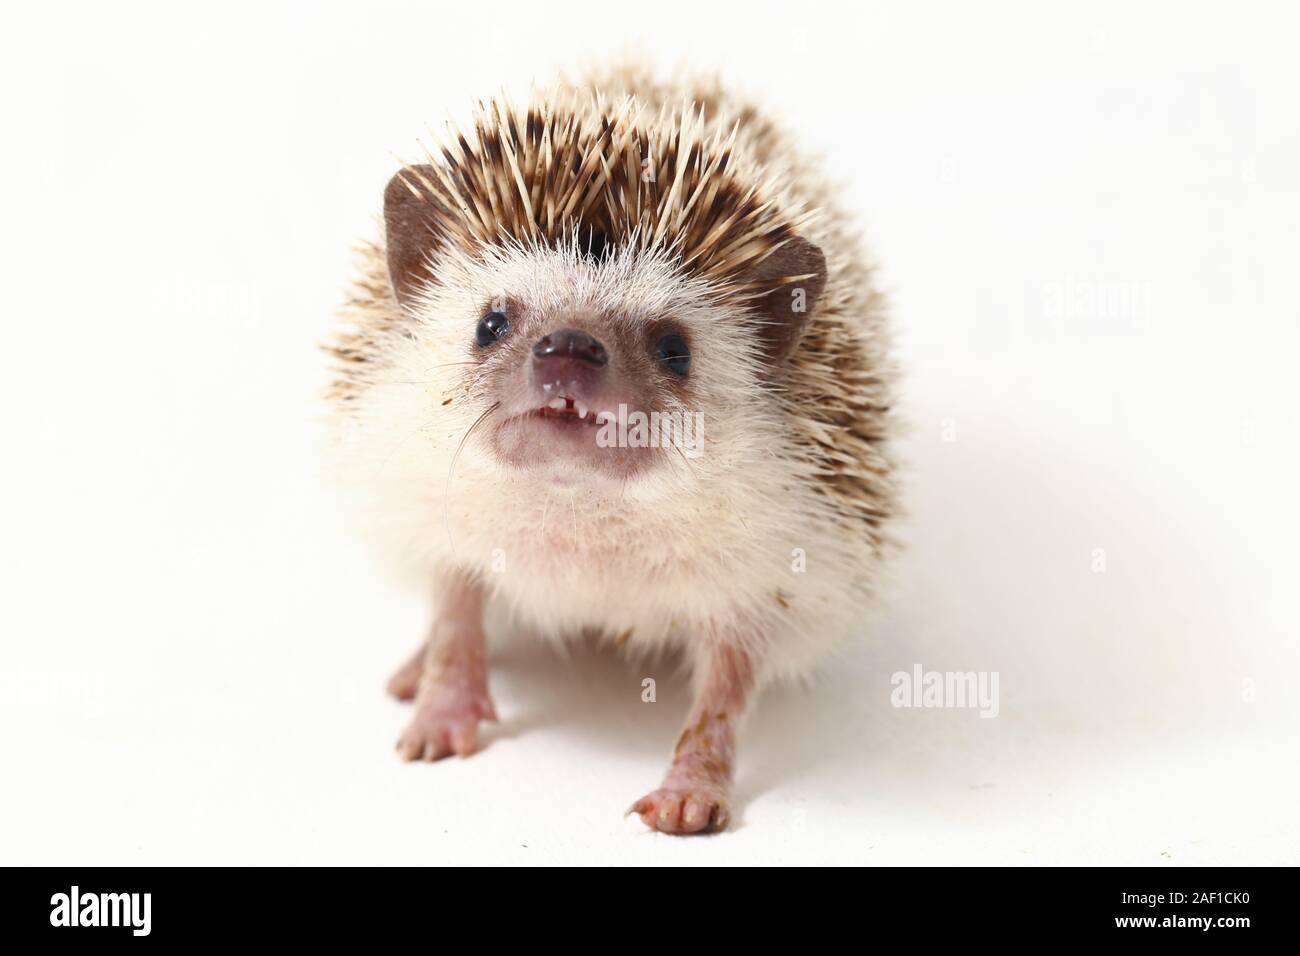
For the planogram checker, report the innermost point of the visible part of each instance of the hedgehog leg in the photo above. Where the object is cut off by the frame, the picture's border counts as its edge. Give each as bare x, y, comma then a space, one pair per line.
695, 796
451, 692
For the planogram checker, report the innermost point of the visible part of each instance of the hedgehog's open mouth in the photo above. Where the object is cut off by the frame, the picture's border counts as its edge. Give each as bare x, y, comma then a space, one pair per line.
561, 440
567, 410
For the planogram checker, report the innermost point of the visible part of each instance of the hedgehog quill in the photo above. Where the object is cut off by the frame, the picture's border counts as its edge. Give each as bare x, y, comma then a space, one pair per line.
619, 248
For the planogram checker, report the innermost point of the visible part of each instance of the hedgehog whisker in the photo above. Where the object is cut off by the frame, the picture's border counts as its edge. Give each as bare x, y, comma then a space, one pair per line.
545, 510
686, 461
469, 431
451, 468
449, 365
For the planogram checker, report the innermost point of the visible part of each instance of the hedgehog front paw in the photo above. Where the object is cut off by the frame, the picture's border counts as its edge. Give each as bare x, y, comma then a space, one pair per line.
684, 811
445, 724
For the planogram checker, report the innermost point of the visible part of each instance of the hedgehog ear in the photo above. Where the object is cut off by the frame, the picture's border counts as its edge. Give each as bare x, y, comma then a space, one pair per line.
412, 218
799, 270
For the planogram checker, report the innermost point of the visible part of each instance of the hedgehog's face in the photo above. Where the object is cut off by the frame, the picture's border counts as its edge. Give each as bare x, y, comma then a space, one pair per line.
591, 372
599, 370
568, 378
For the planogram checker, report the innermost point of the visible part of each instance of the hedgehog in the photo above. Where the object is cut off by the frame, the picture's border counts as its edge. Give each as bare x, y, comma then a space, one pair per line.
618, 367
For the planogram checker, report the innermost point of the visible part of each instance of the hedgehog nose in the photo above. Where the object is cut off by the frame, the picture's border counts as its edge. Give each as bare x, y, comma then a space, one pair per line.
571, 344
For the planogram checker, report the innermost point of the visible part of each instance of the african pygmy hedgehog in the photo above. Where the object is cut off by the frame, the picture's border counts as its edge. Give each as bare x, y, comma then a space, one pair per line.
618, 367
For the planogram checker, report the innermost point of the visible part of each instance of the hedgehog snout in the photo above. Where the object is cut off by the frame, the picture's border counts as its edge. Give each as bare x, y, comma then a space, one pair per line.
568, 360
573, 343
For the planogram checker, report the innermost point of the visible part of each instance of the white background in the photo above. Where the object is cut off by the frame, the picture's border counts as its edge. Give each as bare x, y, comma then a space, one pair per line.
1087, 217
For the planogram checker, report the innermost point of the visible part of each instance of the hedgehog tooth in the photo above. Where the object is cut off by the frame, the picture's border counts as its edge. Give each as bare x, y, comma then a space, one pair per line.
559, 403
582, 409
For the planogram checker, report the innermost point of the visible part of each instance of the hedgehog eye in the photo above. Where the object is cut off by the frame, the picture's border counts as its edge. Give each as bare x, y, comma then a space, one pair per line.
673, 353
492, 328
